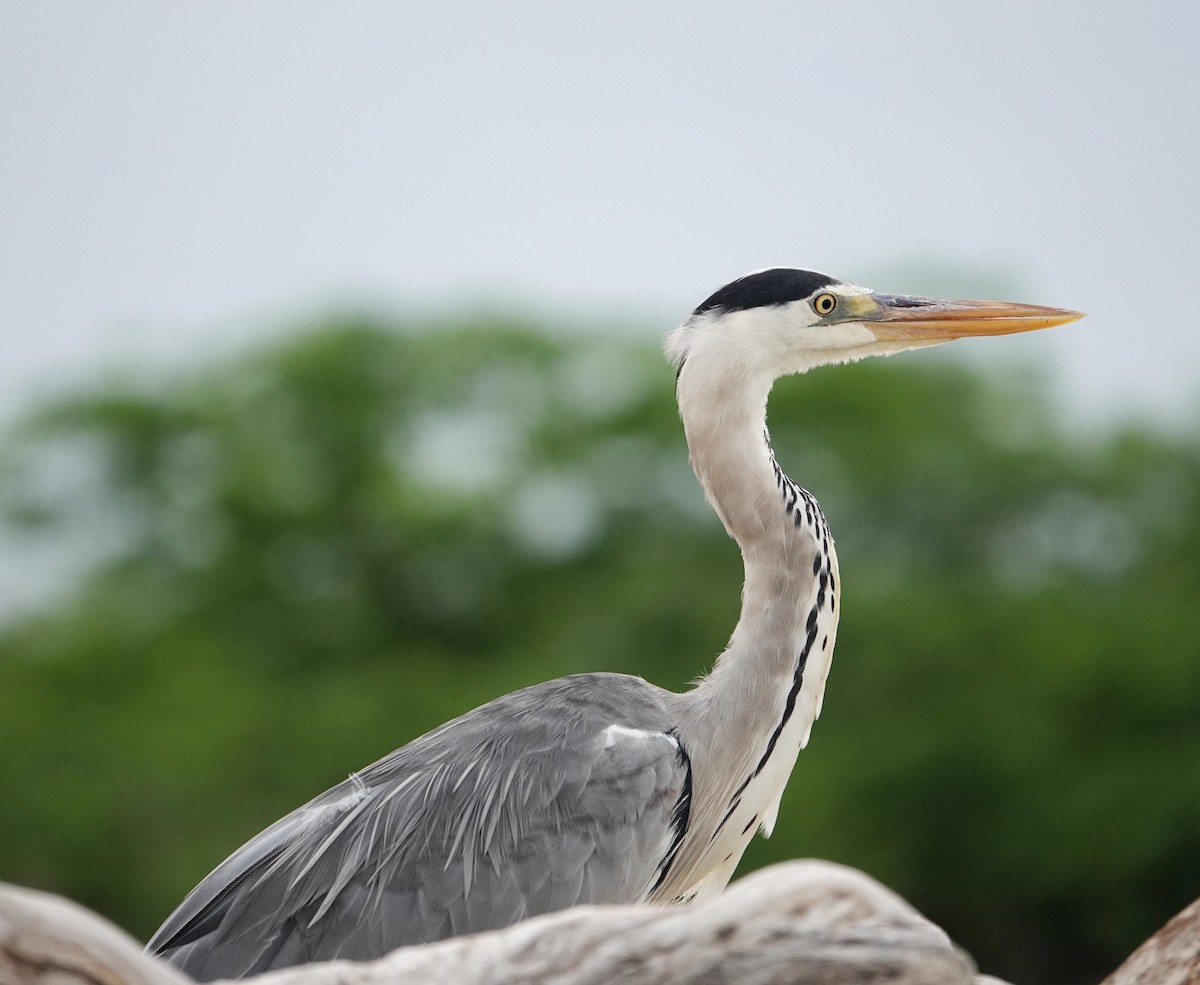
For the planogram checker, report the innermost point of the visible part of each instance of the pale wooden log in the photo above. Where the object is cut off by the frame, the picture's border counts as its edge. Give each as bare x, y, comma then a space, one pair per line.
47, 940
1170, 957
802, 923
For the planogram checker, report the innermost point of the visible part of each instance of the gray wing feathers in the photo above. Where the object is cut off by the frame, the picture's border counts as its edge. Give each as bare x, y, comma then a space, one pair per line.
529, 804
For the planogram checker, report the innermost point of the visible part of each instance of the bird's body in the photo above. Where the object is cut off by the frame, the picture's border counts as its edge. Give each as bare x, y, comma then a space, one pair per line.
596, 788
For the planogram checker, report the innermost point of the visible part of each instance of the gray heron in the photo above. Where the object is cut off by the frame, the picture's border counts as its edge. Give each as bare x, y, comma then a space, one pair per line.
598, 788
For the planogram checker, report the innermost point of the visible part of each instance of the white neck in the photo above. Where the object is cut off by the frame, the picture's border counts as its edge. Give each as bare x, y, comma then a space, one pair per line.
752, 714
724, 417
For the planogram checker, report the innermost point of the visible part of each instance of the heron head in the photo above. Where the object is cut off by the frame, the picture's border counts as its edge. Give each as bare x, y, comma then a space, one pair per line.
784, 320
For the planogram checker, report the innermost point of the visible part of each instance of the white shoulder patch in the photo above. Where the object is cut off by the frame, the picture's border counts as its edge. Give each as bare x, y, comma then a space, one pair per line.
615, 732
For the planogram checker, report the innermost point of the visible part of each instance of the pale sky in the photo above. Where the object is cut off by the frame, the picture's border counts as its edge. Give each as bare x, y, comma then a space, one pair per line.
177, 177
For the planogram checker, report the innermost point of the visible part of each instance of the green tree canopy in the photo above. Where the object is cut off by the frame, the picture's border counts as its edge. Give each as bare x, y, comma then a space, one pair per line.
301, 558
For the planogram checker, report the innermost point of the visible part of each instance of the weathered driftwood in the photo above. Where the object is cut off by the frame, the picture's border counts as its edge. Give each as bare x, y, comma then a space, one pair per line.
1170, 957
47, 940
803, 922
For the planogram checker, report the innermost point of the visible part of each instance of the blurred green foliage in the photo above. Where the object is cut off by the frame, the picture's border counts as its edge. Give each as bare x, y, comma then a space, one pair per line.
304, 557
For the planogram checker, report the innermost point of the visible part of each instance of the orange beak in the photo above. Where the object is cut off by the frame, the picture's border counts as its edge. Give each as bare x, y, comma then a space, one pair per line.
900, 319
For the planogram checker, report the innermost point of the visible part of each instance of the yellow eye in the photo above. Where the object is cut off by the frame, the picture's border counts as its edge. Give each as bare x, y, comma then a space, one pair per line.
824, 304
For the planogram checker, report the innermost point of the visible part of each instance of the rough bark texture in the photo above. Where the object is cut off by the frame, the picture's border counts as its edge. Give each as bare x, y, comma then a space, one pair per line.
47, 940
1170, 957
802, 923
